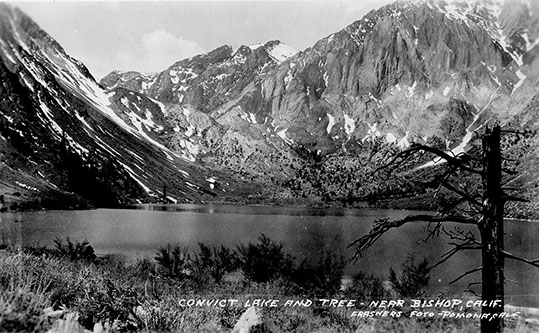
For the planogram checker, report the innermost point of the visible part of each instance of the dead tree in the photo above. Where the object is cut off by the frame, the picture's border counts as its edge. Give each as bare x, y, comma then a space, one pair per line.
481, 206
165, 198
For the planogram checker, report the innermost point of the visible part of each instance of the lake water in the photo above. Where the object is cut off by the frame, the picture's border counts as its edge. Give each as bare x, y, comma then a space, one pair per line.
305, 232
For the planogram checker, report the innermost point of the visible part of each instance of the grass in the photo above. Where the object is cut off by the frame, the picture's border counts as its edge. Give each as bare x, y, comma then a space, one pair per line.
39, 287
23, 299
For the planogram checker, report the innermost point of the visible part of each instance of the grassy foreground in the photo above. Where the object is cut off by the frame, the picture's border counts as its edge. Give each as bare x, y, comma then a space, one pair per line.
38, 287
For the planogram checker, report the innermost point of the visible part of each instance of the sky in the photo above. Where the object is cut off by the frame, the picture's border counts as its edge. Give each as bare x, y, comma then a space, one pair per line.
149, 36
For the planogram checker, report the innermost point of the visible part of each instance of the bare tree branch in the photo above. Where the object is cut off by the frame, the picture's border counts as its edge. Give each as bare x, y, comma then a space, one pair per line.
446, 210
511, 188
523, 133
469, 243
435, 232
471, 211
471, 271
473, 292
510, 280
461, 247
471, 284
453, 160
470, 290
460, 192
383, 225
507, 159
510, 172
514, 198
462, 235
514, 257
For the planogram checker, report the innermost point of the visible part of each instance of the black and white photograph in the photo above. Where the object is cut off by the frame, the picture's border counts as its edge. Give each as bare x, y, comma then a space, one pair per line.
269, 166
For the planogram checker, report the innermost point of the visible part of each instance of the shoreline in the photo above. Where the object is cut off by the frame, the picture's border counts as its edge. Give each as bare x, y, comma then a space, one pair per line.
328, 206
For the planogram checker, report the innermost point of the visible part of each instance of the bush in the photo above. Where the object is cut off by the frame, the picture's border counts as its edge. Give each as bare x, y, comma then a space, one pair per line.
367, 287
145, 267
214, 263
322, 277
174, 262
108, 301
264, 261
413, 280
38, 250
74, 251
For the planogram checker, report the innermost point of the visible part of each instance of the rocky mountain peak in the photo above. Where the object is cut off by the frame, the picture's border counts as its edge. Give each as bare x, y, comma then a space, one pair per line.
411, 71
279, 51
348, 82
18, 29
514, 25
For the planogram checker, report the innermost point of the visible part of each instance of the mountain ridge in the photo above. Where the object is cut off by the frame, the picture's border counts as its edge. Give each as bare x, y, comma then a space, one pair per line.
273, 123
78, 116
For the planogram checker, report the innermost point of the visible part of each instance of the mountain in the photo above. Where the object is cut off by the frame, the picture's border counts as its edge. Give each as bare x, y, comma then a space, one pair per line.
63, 136
274, 123
412, 71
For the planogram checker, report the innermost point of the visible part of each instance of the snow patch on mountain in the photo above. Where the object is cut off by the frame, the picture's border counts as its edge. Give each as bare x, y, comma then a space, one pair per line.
27, 187
446, 91
161, 106
411, 90
135, 177
331, 123
349, 125
404, 143
281, 52
282, 135
521, 78
390, 138
6, 52
211, 180
372, 133
191, 148
529, 44
470, 131
58, 133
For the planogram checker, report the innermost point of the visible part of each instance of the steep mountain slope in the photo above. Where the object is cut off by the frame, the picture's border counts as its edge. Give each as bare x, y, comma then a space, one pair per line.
412, 71
60, 132
394, 72
397, 71
190, 91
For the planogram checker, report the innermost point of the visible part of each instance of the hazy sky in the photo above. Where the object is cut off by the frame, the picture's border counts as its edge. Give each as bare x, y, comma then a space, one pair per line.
150, 36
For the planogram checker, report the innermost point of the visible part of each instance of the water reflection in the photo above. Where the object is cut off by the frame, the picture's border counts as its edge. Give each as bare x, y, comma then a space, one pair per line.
251, 210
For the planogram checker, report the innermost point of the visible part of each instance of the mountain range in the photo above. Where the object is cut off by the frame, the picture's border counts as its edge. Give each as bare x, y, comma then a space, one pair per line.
267, 123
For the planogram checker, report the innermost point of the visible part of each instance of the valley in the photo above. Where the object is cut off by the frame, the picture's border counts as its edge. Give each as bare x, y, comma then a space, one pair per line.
266, 123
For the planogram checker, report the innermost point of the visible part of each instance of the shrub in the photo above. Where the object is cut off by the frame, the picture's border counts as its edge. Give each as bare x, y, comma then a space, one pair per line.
74, 251
144, 267
413, 280
366, 287
321, 277
38, 250
214, 263
174, 262
264, 261
108, 301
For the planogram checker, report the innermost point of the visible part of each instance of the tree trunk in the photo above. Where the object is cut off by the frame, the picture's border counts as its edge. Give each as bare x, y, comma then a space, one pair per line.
491, 228
165, 200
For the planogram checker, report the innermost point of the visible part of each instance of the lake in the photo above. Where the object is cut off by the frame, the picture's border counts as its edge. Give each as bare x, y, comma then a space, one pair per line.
304, 232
